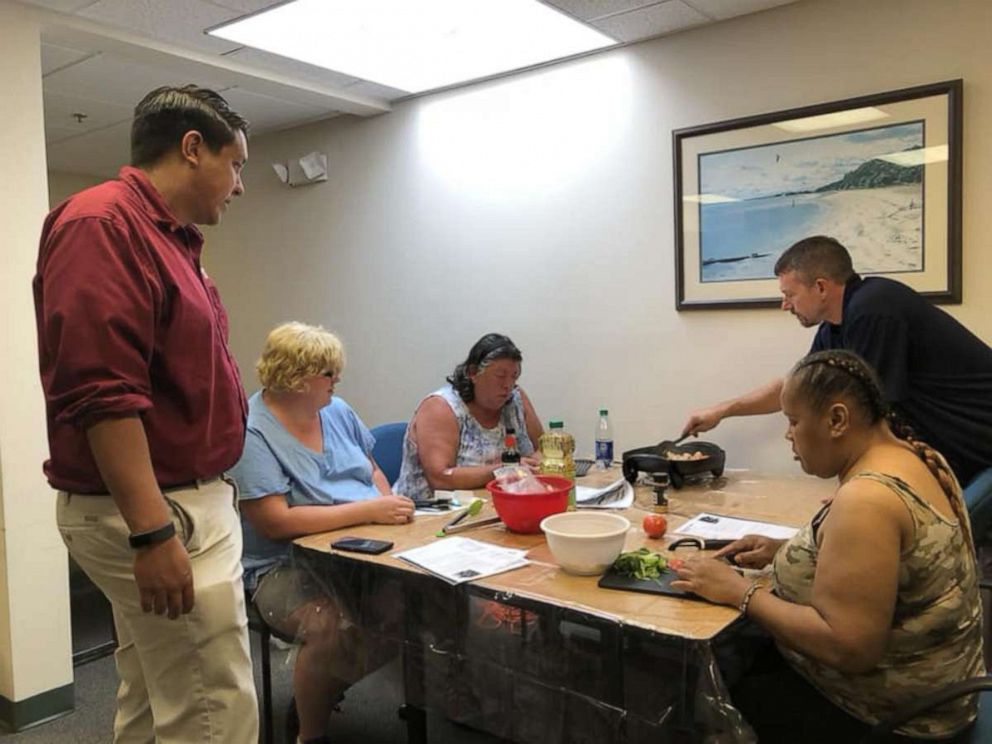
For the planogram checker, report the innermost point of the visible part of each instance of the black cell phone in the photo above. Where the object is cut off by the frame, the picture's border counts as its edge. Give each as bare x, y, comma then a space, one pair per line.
362, 545
439, 504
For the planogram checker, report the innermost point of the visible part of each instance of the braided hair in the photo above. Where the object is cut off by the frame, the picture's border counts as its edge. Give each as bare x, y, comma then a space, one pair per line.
825, 376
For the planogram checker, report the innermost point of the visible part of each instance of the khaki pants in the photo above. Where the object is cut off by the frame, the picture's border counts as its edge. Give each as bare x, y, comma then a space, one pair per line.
182, 681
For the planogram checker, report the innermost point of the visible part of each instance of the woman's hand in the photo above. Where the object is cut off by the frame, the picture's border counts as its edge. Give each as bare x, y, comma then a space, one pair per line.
751, 551
531, 461
711, 579
393, 508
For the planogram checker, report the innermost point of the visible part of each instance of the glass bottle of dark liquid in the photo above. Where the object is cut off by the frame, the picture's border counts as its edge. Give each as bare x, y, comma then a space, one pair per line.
511, 454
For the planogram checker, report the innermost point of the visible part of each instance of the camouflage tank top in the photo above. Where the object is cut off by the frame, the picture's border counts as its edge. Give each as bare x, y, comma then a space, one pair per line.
936, 635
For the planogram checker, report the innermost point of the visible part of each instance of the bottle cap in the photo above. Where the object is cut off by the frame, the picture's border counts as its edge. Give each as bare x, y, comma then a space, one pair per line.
603, 412
556, 424
510, 430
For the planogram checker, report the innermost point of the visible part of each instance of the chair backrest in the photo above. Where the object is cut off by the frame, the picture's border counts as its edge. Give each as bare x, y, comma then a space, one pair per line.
978, 499
979, 733
388, 450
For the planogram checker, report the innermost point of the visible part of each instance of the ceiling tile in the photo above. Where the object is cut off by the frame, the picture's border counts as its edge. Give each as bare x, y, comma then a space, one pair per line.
54, 57
266, 112
176, 21
58, 132
246, 6
589, 9
99, 153
118, 80
107, 85
376, 90
60, 122
62, 6
654, 20
722, 9
291, 67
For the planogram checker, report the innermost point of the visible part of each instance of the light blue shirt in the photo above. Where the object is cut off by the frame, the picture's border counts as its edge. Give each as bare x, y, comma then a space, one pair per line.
275, 461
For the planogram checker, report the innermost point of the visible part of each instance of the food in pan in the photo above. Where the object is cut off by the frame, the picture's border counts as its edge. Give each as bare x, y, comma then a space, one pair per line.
681, 456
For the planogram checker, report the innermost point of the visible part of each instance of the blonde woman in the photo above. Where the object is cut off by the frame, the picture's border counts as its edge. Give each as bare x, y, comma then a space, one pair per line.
307, 467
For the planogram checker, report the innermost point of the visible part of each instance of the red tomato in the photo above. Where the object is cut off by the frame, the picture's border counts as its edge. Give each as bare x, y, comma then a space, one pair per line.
676, 563
655, 525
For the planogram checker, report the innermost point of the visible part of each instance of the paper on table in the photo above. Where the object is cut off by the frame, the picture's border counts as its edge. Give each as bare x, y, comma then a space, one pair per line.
617, 495
458, 559
720, 527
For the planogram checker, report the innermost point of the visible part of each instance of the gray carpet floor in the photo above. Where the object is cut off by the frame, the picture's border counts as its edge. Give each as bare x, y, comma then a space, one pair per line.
368, 714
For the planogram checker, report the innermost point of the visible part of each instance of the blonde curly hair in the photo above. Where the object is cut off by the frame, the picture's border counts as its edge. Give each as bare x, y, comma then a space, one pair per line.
294, 351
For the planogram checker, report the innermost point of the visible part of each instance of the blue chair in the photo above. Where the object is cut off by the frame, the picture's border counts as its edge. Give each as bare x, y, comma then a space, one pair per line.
388, 450
978, 499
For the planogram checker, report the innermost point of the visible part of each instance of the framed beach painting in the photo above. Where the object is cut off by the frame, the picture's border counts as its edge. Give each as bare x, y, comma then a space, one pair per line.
880, 173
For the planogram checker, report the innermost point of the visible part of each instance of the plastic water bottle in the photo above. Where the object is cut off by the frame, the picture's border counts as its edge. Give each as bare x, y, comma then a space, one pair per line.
604, 440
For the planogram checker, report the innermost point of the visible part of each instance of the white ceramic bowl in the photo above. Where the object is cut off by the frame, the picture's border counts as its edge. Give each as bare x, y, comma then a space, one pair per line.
585, 543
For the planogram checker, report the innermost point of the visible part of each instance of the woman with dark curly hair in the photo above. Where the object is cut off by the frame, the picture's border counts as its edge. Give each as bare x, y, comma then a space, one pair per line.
456, 435
875, 601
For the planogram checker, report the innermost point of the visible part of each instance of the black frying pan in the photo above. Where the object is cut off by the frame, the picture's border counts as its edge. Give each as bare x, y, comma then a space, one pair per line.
656, 459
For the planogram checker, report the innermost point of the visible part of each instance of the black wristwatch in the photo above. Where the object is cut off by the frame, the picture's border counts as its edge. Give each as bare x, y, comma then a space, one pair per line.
150, 537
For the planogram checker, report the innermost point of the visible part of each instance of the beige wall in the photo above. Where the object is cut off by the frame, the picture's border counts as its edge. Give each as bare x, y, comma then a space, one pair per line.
541, 205
35, 650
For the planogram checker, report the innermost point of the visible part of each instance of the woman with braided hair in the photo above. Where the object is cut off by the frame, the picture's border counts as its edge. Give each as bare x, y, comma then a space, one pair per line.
875, 601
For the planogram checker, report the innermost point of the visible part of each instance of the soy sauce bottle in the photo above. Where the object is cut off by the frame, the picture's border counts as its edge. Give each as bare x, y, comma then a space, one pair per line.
511, 455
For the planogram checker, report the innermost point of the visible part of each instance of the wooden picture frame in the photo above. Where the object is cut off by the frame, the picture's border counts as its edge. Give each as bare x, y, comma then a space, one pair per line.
881, 173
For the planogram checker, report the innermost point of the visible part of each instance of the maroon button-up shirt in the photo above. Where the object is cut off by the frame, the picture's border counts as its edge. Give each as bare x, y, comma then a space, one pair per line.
128, 323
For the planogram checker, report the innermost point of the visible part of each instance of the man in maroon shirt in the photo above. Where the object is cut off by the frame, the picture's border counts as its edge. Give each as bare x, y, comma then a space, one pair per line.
146, 411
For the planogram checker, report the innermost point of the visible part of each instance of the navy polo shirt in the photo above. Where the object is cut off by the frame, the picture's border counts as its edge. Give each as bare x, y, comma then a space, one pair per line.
935, 372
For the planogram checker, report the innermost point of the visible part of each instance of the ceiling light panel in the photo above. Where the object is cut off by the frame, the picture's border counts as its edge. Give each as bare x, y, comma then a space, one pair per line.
416, 46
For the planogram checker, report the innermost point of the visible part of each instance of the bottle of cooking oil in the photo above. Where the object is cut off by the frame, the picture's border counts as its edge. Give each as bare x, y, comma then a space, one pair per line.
557, 446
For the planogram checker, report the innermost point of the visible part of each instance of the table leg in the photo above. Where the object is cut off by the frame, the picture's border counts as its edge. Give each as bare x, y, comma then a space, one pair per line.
416, 723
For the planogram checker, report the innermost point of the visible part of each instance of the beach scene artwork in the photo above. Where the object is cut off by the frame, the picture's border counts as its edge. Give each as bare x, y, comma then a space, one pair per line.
757, 201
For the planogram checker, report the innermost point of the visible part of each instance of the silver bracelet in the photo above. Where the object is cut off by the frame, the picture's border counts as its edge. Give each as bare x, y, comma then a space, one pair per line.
746, 599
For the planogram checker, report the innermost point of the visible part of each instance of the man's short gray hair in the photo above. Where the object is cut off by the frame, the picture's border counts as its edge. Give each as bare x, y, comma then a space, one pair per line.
818, 257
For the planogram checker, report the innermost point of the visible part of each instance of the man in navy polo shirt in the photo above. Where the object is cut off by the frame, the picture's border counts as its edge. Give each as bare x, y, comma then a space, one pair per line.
937, 374
146, 411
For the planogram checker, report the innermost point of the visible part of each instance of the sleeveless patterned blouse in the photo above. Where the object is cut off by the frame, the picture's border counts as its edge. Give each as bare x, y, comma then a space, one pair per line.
936, 635
476, 444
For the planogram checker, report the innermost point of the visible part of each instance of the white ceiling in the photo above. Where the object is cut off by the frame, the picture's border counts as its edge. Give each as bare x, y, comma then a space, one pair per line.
99, 57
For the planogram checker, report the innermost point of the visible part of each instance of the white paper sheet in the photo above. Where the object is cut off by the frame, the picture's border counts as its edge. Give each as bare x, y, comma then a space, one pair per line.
720, 527
458, 559
617, 495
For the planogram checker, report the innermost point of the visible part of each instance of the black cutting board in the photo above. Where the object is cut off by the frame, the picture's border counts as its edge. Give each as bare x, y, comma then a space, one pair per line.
662, 585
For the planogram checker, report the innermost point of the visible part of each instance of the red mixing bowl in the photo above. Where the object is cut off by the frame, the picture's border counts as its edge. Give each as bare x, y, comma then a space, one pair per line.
523, 512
